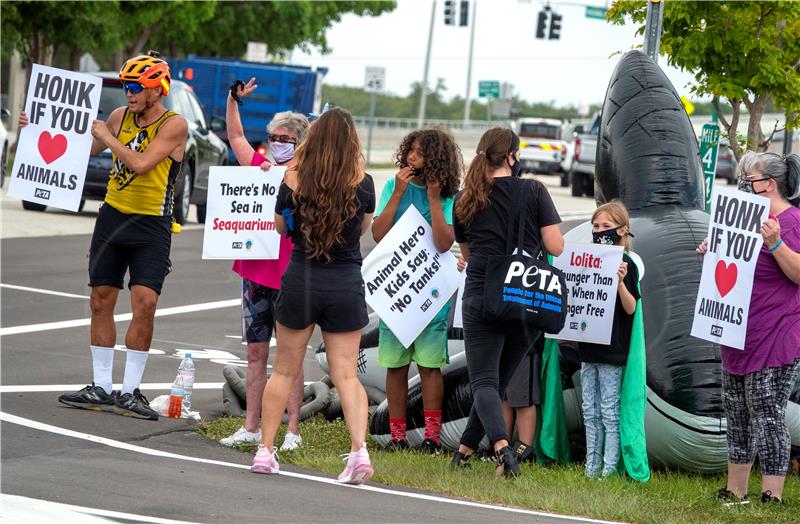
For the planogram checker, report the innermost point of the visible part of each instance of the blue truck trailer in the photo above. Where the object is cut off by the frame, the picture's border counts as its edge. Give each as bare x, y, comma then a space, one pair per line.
281, 87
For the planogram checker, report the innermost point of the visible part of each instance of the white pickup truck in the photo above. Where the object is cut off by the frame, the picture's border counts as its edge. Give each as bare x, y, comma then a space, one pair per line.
581, 173
542, 148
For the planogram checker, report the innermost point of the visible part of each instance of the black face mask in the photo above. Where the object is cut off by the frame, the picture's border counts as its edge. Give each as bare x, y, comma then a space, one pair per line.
516, 169
747, 186
419, 173
609, 237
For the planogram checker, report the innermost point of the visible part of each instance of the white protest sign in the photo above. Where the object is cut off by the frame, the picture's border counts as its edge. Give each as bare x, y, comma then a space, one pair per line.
407, 280
458, 319
734, 241
53, 149
591, 274
240, 213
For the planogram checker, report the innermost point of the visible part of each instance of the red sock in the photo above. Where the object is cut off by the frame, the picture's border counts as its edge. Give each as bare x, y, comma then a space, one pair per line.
397, 427
433, 424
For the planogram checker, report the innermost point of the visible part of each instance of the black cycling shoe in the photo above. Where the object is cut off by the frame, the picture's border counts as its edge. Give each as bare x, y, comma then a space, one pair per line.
91, 397
134, 405
460, 461
397, 445
429, 446
767, 498
507, 464
523, 451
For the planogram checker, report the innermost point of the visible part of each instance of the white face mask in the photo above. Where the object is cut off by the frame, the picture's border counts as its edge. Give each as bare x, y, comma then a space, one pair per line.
282, 152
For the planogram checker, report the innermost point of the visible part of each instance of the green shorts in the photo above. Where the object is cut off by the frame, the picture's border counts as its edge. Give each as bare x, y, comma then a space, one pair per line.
428, 350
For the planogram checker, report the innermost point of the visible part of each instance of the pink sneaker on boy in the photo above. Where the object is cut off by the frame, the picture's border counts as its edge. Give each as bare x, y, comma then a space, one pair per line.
265, 461
359, 469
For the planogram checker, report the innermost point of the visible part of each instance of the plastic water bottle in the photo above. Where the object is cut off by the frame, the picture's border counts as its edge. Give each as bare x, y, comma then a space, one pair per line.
176, 398
186, 371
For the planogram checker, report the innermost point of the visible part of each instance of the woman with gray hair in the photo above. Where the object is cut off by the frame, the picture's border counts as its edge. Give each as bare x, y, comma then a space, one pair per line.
261, 279
757, 382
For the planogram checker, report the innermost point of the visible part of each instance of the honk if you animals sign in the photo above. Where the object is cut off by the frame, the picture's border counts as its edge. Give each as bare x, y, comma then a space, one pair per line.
53, 149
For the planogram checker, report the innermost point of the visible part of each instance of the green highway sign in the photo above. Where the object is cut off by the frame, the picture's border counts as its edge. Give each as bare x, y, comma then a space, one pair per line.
709, 147
489, 88
596, 12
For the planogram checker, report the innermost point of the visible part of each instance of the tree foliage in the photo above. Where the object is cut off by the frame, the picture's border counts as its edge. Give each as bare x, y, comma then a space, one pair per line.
743, 52
114, 30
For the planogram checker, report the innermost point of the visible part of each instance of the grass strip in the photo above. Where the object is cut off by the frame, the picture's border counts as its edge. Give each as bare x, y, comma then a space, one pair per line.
670, 496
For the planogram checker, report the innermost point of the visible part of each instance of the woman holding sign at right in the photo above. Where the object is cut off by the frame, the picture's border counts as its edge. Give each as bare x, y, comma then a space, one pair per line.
757, 381
483, 210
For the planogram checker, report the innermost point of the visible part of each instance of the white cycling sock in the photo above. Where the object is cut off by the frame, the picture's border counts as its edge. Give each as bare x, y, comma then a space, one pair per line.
134, 369
102, 366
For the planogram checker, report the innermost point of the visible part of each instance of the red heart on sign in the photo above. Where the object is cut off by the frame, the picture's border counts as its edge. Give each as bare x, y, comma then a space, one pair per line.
52, 147
725, 276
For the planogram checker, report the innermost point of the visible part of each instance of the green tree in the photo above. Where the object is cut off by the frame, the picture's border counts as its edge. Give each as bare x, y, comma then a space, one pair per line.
743, 52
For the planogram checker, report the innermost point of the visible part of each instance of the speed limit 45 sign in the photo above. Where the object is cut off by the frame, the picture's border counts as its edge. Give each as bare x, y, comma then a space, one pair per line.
374, 79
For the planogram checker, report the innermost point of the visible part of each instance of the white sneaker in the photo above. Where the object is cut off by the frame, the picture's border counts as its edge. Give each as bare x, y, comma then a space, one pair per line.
291, 442
242, 436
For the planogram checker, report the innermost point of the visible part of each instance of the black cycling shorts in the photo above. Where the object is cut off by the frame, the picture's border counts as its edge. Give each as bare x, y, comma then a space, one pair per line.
331, 297
136, 243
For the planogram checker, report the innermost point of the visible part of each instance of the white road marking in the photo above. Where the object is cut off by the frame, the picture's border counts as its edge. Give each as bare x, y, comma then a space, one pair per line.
152, 386
178, 310
45, 291
14, 419
27, 509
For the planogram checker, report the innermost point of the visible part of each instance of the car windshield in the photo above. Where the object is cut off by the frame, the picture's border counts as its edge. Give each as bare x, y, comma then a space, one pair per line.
538, 131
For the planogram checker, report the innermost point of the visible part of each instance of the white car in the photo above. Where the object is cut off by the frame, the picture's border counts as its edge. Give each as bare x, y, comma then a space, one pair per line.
542, 149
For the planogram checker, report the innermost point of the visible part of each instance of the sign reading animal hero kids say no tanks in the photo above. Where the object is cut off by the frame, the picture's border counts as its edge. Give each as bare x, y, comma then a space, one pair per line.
591, 274
53, 149
734, 241
407, 280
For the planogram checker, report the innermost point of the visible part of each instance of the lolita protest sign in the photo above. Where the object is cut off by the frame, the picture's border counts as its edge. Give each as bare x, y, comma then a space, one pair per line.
591, 274
53, 149
734, 241
240, 213
407, 280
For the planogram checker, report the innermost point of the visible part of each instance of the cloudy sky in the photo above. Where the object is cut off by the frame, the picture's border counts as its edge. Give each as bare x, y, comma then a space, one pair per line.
571, 71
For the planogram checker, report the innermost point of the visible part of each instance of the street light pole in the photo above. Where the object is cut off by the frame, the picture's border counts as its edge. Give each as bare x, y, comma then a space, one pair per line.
469, 61
423, 95
652, 28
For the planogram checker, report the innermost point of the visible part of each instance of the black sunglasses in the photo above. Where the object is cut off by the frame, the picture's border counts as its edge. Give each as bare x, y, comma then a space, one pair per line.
284, 139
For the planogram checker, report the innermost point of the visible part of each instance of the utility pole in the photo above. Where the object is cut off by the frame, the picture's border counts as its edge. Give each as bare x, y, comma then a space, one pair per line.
469, 61
652, 28
788, 136
423, 95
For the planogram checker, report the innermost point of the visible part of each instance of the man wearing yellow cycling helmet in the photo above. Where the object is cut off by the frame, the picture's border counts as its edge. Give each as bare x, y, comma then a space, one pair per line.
133, 231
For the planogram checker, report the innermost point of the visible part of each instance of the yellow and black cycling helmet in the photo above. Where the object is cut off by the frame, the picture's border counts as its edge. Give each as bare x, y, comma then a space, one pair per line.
149, 70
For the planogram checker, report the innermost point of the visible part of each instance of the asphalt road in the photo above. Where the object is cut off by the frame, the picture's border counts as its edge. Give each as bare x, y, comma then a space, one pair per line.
125, 470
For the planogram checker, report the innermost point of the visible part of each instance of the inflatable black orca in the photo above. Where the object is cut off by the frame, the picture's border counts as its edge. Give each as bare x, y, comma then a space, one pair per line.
647, 157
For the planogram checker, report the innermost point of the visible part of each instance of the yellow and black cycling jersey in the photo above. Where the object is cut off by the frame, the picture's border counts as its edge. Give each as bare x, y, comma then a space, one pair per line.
148, 194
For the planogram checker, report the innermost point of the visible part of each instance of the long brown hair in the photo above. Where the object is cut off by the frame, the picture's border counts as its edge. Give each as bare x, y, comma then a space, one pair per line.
493, 148
443, 160
329, 170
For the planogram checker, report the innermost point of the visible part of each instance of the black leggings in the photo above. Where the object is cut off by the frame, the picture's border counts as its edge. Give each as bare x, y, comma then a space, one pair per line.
493, 353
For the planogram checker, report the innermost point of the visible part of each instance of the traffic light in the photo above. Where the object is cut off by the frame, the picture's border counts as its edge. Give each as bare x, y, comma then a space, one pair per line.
450, 12
541, 24
463, 18
555, 26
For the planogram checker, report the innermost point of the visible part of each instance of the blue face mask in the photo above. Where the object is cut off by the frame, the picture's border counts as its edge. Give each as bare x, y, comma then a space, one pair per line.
282, 152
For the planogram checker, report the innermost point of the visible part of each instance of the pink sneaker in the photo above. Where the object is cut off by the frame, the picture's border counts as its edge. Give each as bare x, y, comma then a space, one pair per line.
265, 461
359, 469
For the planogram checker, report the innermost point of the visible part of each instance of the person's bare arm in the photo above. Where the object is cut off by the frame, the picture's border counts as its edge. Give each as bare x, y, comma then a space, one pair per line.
443, 236
233, 123
171, 139
384, 222
552, 239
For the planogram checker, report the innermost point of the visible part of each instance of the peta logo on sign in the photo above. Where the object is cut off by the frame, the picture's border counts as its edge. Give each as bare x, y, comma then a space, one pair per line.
716, 331
236, 245
547, 281
44, 194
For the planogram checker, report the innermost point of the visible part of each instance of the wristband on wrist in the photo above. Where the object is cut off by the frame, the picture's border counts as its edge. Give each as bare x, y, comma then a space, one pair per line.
776, 246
